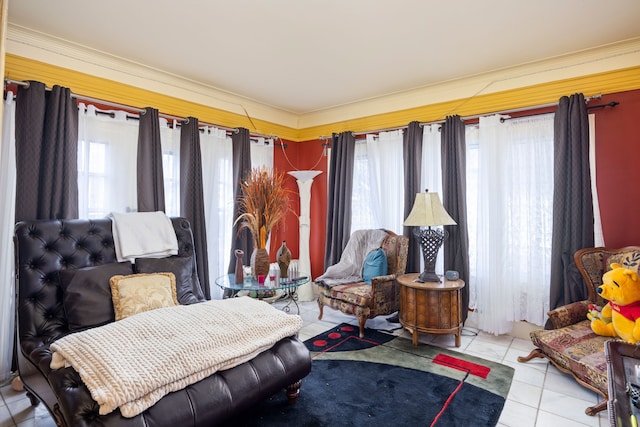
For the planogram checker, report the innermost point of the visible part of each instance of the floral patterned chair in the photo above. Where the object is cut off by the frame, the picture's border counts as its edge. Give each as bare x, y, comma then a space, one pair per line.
571, 346
366, 301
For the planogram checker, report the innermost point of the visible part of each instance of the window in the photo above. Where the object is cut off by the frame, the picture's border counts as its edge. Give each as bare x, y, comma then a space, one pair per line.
378, 183
509, 203
107, 150
171, 173
170, 141
93, 191
217, 178
509, 208
362, 215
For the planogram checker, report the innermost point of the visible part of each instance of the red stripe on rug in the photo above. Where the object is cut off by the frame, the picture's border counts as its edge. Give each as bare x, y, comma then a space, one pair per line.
446, 404
462, 365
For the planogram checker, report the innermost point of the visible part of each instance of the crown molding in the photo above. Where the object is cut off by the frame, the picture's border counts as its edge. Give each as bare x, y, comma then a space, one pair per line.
44, 48
615, 56
525, 97
36, 56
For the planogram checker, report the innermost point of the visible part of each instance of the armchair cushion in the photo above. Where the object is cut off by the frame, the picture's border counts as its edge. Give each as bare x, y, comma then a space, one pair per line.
352, 293
375, 264
576, 349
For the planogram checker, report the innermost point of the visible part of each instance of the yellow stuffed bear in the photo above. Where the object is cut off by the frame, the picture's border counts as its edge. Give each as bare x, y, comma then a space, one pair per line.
621, 287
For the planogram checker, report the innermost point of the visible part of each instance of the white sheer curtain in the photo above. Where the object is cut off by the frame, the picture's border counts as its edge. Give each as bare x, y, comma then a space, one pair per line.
598, 236
512, 181
261, 152
431, 178
170, 142
384, 160
107, 151
217, 176
363, 211
7, 222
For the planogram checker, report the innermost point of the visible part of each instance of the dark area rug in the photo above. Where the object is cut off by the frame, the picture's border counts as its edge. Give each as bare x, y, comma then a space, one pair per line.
383, 380
345, 337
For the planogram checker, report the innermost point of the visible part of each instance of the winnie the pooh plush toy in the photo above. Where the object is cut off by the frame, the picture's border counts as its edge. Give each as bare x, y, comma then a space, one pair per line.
621, 287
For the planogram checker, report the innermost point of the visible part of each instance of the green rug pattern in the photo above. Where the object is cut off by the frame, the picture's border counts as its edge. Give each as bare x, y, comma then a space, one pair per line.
401, 352
383, 380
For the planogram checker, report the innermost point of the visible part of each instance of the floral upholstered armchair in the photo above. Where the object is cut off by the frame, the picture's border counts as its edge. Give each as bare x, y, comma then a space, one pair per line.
356, 297
571, 346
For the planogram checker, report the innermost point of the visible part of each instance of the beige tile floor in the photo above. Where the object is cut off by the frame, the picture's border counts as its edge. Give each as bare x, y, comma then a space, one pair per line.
540, 395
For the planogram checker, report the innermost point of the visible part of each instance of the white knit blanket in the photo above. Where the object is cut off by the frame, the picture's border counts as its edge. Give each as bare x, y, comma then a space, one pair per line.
132, 363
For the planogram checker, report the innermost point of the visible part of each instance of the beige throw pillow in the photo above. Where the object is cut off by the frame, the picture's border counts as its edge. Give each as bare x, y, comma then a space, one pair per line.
136, 293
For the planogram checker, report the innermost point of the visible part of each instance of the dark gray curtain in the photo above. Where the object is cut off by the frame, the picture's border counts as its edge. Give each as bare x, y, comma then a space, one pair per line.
150, 175
191, 196
454, 200
572, 199
46, 153
339, 190
241, 168
412, 160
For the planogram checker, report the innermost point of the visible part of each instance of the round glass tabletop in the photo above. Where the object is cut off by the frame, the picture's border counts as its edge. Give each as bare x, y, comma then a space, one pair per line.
273, 282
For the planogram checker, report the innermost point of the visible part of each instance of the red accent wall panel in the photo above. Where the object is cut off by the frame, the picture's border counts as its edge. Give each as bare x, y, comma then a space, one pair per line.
617, 132
306, 155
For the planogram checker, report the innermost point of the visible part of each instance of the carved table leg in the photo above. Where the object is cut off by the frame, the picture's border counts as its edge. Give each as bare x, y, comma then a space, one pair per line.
293, 390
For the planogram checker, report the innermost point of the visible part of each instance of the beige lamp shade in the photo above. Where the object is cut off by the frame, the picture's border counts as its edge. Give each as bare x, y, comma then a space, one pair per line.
427, 211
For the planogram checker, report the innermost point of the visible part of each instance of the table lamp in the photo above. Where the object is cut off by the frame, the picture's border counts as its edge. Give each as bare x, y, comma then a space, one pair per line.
428, 212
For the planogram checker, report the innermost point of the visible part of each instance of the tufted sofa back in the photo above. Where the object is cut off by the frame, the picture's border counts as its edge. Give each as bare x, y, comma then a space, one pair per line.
594, 262
43, 248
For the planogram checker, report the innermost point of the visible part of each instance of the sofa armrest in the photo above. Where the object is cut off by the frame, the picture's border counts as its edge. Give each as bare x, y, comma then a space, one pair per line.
385, 293
383, 279
569, 314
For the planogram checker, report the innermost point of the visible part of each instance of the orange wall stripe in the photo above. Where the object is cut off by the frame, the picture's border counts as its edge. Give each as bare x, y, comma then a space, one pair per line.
19, 68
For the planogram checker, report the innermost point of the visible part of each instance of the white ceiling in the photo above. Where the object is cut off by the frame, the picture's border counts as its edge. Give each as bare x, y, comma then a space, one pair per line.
306, 56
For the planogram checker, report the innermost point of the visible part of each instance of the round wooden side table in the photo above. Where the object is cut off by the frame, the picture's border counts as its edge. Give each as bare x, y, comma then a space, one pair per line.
431, 307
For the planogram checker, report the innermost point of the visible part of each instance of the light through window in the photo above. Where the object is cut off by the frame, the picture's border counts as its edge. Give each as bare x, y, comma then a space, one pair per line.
93, 191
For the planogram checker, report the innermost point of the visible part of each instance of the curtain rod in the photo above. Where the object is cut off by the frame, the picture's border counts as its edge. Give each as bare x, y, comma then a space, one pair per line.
590, 107
141, 110
513, 110
117, 105
437, 122
379, 130
610, 104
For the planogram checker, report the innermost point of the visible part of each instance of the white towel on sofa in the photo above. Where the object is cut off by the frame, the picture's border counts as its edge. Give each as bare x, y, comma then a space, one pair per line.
143, 235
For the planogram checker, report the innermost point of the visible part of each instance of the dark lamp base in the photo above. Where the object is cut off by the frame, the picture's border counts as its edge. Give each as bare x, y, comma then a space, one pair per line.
428, 276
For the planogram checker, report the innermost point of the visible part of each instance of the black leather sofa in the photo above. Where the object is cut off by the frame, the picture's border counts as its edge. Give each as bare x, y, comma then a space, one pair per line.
45, 248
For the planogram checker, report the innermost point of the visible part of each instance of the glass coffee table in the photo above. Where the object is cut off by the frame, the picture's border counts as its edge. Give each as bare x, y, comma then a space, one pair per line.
273, 289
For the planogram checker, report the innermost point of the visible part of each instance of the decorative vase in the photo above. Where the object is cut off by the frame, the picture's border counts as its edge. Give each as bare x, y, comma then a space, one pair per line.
260, 262
284, 259
239, 270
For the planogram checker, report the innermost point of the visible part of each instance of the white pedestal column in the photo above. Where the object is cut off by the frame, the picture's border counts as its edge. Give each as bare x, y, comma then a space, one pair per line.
305, 180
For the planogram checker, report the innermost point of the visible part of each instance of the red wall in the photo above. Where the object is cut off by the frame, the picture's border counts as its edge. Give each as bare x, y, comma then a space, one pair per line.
303, 156
617, 133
